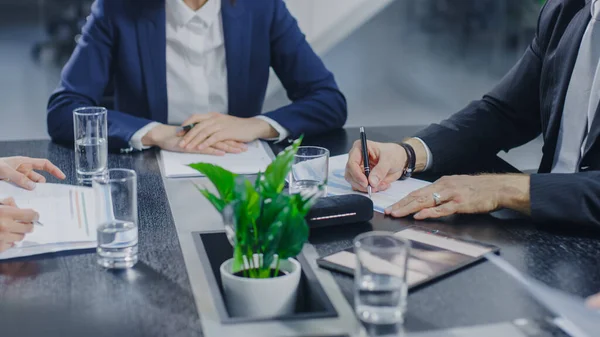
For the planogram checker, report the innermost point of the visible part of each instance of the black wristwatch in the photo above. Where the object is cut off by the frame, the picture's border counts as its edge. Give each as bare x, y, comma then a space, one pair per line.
411, 160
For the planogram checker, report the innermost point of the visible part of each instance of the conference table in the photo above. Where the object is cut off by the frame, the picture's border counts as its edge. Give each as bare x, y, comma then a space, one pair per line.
67, 294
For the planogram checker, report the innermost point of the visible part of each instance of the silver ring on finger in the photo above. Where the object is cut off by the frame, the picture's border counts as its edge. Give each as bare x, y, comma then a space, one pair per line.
437, 198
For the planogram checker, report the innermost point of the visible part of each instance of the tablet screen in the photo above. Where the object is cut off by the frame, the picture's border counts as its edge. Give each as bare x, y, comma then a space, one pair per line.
432, 255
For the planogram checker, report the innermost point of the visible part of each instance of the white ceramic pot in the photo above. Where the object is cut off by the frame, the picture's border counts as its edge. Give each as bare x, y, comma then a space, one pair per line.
271, 297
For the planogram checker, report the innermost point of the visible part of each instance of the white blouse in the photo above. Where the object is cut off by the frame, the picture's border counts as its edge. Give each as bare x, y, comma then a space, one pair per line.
196, 66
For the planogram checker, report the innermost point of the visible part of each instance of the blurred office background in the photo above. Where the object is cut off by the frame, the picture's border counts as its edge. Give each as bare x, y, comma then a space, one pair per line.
399, 62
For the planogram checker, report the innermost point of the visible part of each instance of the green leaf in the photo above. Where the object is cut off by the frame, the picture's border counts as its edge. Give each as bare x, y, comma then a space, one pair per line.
267, 222
279, 169
222, 179
217, 203
238, 259
247, 210
271, 241
294, 233
306, 200
257, 182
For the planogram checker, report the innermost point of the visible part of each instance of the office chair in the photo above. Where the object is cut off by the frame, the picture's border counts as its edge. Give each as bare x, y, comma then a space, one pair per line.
63, 20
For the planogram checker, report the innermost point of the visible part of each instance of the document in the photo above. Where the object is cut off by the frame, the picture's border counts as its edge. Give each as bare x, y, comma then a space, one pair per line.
67, 213
574, 317
257, 158
337, 185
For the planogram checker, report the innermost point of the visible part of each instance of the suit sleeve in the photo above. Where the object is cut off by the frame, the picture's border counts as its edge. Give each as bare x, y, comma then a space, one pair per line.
505, 118
317, 103
571, 198
84, 80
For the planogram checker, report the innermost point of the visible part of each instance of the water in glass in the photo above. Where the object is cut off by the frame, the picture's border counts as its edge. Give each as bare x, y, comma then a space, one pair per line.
117, 244
381, 299
90, 156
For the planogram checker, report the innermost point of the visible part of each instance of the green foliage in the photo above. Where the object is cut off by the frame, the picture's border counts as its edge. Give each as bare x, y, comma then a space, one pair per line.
225, 187
269, 225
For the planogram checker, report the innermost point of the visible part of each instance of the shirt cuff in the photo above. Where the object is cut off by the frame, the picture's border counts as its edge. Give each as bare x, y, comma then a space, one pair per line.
136, 140
283, 132
429, 155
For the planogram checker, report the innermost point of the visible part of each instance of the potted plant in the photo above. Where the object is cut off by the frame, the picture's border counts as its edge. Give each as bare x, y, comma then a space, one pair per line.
267, 229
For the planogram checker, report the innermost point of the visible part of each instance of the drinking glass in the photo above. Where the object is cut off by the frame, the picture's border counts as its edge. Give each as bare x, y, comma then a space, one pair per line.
115, 195
310, 170
380, 278
91, 147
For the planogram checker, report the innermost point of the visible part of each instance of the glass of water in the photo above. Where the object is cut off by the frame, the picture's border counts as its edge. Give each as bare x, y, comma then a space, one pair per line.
310, 170
380, 278
91, 148
115, 194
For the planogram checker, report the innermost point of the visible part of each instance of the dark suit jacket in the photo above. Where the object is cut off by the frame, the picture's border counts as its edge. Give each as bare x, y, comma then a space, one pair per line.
125, 41
527, 102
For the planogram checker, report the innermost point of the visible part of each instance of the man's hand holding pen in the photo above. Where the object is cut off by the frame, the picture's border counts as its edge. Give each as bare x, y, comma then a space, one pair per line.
386, 161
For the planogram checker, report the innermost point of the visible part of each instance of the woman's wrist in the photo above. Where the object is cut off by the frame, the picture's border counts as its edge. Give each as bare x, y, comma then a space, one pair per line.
261, 129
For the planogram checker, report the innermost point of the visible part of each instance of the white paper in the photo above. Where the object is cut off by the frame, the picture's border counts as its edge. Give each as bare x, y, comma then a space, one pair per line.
66, 212
337, 185
256, 159
577, 319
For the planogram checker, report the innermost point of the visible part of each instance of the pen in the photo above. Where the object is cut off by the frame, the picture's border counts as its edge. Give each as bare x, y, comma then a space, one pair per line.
186, 128
365, 153
35, 222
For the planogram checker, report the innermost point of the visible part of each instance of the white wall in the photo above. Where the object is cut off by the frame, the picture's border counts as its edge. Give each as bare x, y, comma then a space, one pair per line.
328, 22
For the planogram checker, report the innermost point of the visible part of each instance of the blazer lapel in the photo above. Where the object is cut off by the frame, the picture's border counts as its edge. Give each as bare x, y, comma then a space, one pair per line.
237, 27
564, 63
151, 29
592, 138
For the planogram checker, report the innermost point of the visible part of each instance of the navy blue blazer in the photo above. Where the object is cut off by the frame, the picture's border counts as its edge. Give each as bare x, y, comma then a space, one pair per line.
124, 42
529, 101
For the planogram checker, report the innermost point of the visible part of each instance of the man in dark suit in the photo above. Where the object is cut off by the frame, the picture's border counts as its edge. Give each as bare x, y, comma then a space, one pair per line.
554, 90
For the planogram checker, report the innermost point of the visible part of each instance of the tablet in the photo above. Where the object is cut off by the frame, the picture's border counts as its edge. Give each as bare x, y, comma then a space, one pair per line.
432, 255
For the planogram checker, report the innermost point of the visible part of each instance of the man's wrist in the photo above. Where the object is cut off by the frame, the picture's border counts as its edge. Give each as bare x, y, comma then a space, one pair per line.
514, 192
420, 153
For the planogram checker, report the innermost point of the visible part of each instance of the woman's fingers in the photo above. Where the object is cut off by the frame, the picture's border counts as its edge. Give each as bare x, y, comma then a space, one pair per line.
44, 165
8, 202
15, 227
5, 246
36, 177
17, 214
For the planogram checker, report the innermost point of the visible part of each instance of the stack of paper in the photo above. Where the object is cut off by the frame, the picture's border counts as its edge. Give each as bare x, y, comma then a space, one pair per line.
256, 159
66, 212
337, 185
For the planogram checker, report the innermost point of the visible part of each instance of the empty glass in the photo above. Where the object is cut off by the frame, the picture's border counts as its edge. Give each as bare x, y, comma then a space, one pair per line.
115, 195
380, 278
310, 170
91, 148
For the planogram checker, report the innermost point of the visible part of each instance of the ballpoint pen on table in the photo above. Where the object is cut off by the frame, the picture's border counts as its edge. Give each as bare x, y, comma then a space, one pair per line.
365, 154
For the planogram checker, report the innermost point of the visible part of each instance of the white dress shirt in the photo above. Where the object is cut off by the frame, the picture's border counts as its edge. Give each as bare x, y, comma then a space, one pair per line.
581, 101
196, 66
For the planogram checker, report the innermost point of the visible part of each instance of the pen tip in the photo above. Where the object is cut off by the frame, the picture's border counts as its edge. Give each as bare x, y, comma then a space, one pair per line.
362, 129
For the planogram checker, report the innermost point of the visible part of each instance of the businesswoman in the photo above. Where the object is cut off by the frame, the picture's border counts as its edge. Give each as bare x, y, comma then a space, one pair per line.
178, 62
16, 222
